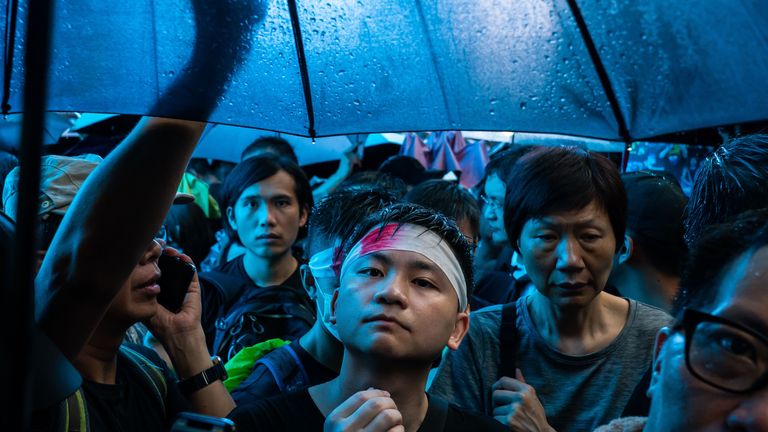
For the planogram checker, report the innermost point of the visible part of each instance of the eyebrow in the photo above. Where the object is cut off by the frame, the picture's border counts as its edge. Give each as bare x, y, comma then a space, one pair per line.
417, 264
588, 223
272, 197
747, 319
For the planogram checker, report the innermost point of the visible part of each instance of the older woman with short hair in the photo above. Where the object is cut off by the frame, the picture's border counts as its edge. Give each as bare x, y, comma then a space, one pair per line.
569, 356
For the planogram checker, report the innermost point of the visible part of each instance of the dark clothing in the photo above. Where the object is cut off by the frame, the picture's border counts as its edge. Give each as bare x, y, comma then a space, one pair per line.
282, 364
129, 405
298, 412
217, 307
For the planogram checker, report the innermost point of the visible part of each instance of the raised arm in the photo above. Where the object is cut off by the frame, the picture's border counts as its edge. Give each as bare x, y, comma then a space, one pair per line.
124, 201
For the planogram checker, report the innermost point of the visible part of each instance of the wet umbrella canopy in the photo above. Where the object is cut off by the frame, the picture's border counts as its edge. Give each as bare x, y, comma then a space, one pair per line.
392, 65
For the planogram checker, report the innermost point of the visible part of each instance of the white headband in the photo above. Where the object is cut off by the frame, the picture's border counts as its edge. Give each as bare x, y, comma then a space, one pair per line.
413, 238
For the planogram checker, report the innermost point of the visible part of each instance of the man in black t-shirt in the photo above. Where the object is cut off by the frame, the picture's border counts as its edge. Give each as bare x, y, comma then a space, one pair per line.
268, 201
404, 279
100, 274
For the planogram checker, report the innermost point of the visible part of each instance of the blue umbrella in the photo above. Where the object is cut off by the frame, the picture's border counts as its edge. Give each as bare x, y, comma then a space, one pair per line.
617, 70
222, 142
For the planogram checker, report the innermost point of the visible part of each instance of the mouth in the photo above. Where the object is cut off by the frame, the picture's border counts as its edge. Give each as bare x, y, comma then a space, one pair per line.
568, 286
386, 320
151, 286
268, 236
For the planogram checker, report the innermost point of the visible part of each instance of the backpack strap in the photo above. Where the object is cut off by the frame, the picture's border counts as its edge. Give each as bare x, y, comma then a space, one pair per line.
508, 340
151, 374
229, 287
286, 369
73, 413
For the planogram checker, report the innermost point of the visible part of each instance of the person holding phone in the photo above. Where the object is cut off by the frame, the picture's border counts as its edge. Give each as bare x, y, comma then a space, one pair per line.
99, 275
404, 279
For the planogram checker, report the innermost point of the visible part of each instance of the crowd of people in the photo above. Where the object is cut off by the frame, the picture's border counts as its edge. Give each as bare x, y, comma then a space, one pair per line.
558, 295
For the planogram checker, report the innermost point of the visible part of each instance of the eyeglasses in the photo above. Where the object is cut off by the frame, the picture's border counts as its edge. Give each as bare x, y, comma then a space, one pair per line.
724, 354
492, 203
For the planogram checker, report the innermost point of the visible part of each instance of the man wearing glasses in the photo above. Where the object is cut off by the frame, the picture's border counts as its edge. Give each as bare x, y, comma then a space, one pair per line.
710, 371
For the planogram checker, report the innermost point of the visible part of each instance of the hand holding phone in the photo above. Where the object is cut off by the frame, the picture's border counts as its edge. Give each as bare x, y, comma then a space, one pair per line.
174, 281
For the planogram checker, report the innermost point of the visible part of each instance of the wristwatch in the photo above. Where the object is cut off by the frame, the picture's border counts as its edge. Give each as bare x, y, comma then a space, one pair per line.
196, 382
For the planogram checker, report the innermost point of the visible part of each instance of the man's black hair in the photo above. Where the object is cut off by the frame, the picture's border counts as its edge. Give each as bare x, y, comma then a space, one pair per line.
374, 179
449, 199
271, 144
561, 179
730, 181
337, 214
256, 169
189, 229
501, 163
714, 252
655, 218
407, 213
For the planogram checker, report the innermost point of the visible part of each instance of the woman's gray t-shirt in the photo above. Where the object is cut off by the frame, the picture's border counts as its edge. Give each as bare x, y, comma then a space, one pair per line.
579, 393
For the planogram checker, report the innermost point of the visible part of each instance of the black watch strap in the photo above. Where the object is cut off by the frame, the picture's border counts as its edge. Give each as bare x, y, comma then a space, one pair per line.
196, 382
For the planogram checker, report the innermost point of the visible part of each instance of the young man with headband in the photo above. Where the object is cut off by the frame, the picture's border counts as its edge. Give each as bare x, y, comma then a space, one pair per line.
316, 356
405, 276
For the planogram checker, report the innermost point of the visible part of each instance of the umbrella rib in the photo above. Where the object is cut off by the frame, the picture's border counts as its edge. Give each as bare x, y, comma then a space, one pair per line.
601, 72
11, 12
440, 78
302, 66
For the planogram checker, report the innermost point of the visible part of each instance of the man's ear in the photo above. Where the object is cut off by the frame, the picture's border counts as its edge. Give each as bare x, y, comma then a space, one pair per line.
308, 280
627, 248
332, 318
459, 330
661, 338
231, 218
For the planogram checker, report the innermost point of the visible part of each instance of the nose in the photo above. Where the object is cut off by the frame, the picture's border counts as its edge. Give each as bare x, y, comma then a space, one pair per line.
266, 215
569, 255
153, 251
489, 212
393, 291
751, 414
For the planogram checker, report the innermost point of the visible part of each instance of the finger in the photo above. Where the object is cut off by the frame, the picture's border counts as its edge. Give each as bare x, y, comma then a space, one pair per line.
349, 406
368, 411
507, 383
384, 421
506, 410
170, 251
519, 375
505, 397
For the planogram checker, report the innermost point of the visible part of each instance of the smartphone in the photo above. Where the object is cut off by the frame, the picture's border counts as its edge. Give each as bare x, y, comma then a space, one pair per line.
190, 422
174, 281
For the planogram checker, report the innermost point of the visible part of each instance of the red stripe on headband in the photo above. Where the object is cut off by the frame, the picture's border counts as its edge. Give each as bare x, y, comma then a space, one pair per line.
378, 239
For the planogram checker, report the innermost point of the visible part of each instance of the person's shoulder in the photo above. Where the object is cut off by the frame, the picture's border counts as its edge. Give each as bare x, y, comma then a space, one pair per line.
650, 317
147, 353
234, 267
278, 413
487, 317
460, 420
